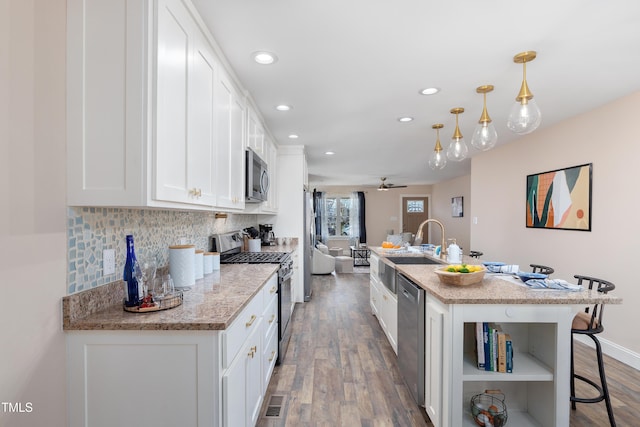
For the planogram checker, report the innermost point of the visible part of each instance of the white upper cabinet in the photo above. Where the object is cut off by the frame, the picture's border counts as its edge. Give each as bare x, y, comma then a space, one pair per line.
153, 118
230, 122
107, 102
184, 138
255, 137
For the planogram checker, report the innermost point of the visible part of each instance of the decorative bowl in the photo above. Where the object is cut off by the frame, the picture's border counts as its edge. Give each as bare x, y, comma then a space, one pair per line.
524, 276
460, 279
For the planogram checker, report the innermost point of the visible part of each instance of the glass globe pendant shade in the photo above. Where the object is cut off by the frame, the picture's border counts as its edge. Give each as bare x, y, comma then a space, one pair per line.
524, 117
438, 160
457, 150
485, 136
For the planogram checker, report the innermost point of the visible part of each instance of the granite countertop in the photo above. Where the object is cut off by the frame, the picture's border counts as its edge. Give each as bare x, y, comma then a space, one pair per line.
211, 304
497, 289
494, 289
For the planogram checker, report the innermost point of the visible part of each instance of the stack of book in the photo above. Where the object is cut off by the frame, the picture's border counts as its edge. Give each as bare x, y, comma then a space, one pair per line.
493, 348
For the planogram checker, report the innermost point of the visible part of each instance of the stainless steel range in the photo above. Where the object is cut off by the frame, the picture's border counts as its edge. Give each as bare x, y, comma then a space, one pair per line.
230, 247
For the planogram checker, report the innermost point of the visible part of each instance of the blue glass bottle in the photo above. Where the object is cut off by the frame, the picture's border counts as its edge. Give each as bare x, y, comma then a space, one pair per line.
131, 287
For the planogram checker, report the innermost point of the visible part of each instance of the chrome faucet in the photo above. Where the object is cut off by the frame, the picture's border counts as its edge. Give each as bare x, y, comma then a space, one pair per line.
418, 238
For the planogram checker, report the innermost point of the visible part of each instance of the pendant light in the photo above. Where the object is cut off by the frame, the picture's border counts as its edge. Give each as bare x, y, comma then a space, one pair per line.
525, 116
457, 150
485, 135
437, 160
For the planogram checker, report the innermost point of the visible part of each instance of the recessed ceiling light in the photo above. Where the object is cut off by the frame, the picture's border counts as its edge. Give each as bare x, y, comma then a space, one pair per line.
430, 91
264, 58
405, 119
293, 136
283, 107
329, 153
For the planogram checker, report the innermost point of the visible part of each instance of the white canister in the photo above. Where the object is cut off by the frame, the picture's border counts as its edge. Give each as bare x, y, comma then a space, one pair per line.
255, 245
198, 264
216, 261
208, 262
182, 265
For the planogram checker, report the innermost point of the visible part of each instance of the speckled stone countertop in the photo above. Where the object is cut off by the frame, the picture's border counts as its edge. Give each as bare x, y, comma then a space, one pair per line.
494, 289
211, 304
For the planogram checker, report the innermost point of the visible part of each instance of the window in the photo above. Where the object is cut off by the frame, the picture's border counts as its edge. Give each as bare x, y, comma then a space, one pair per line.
337, 215
415, 206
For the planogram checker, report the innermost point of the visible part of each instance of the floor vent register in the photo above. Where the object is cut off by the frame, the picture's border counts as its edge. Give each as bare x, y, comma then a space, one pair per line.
274, 408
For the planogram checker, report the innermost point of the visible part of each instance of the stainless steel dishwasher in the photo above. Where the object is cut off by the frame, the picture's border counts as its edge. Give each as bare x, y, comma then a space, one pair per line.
411, 355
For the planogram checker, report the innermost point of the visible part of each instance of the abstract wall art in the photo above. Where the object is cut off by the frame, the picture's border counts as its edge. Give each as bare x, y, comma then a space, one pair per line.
560, 199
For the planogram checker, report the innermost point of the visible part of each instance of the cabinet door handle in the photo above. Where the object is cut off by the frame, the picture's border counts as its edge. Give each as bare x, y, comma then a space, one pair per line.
272, 290
254, 348
385, 297
250, 354
273, 317
251, 320
273, 353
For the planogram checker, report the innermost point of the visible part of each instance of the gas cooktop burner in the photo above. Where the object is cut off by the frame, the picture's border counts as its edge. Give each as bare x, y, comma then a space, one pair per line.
255, 258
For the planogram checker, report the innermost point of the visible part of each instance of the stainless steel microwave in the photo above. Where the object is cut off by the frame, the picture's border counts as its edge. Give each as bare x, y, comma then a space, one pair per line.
257, 178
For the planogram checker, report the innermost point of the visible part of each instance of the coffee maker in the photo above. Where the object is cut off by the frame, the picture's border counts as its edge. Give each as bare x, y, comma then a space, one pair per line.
266, 234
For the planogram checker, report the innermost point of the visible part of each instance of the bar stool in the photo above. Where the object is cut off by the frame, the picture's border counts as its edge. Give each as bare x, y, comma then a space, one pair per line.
589, 323
475, 254
537, 268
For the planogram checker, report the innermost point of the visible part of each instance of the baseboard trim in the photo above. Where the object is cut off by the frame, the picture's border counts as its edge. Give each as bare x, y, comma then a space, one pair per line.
614, 350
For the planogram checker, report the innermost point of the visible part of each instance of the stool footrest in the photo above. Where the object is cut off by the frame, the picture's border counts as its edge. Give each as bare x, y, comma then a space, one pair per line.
596, 399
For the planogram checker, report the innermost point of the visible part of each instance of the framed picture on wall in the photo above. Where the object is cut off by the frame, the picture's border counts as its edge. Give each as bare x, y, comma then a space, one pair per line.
560, 199
456, 206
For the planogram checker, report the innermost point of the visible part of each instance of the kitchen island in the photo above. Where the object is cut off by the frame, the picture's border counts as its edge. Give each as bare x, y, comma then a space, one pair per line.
205, 362
539, 322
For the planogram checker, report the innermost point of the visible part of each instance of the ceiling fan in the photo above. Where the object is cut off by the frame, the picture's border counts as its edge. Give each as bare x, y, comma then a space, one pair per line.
384, 186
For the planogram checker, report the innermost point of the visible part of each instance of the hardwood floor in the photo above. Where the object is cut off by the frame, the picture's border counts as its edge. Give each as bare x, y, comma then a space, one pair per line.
340, 370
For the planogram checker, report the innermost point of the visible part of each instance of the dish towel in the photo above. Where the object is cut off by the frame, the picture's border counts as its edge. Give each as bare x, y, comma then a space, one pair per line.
505, 269
555, 284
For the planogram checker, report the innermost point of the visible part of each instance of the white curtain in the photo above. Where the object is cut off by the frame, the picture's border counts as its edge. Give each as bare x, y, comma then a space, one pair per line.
354, 220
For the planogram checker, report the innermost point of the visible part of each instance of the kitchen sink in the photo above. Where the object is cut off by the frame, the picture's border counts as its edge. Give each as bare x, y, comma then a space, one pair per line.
412, 260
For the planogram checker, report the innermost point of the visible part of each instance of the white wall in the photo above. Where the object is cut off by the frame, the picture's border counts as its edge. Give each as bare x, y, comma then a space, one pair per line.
606, 137
32, 211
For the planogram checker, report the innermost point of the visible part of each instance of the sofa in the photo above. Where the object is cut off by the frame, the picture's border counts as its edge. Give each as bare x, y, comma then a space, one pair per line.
321, 262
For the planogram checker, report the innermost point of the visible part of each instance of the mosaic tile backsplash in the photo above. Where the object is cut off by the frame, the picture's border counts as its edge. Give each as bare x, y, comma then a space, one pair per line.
91, 230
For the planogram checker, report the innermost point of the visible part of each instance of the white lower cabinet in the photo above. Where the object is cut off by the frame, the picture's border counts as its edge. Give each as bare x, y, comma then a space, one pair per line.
241, 385
175, 377
436, 386
384, 305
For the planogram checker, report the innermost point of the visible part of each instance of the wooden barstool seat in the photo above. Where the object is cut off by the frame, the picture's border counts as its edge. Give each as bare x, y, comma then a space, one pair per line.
589, 323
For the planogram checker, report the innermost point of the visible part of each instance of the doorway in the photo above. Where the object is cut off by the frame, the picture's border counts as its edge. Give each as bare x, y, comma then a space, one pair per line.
415, 210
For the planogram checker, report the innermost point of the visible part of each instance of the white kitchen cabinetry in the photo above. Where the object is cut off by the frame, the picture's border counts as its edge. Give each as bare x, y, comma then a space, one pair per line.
140, 105
243, 383
540, 336
230, 121
436, 376
184, 135
255, 133
384, 304
151, 378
